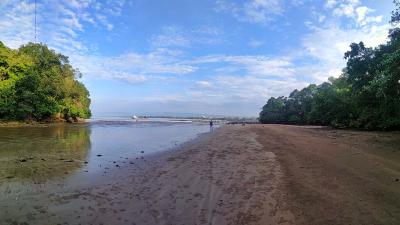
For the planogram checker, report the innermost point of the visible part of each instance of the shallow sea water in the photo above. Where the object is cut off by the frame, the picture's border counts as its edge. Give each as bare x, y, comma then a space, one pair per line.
37, 160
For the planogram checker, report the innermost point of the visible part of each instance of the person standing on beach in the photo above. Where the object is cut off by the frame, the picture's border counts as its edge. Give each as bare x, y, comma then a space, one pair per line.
211, 125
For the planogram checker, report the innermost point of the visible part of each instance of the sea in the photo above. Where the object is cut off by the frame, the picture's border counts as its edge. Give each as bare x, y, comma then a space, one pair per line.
41, 152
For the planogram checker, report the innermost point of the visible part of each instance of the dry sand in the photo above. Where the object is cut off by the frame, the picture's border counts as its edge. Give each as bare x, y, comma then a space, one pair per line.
253, 174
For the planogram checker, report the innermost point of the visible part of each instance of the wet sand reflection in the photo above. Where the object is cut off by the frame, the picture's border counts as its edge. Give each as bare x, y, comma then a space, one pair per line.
42, 153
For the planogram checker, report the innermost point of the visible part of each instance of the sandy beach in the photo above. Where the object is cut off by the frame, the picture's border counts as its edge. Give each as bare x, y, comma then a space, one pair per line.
253, 174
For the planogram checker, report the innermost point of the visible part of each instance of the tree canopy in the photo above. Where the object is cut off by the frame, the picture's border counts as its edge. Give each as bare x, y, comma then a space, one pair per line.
365, 96
36, 83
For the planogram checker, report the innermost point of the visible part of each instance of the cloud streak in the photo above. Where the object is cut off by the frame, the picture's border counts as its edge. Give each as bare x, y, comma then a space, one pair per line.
69, 19
174, 36
253, 11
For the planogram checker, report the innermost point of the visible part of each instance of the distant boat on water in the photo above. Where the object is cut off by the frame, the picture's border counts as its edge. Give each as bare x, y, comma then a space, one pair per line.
135, 117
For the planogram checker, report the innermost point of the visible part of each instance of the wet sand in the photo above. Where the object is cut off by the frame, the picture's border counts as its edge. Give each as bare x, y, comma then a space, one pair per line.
253, 174
337, 176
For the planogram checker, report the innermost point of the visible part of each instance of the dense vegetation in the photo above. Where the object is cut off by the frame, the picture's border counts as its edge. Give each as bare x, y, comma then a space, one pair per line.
38, 84
365, 96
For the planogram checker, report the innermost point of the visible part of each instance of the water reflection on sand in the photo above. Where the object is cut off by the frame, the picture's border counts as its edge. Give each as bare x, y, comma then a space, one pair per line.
42, 153
38, 163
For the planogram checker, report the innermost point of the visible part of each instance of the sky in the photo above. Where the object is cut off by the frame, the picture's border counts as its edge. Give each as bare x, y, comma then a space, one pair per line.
212, 57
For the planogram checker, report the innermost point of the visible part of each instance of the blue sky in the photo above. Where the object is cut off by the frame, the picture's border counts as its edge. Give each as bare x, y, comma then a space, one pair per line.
220, 57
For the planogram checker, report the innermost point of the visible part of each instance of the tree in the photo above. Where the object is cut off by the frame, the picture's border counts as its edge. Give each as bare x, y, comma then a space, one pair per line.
273, 111
365, 96
39, 84
299, 105
13, 66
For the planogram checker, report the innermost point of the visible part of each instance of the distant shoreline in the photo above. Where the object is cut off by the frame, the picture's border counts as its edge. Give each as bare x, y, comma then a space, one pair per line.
15, 123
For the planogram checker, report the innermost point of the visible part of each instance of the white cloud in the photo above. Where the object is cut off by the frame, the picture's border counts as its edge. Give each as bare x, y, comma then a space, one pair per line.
255, 43
78, 4
363, 18
203, 84
251, 82
243, 91
353, 9
174, 36
170, 36
251, 88
321, 18
330, 3
22, 14
161, 61
362, 13
298, 3
69, 19
252, 64
327, 45
253, 79
260, 11
133, 67
165, 63
345, 9
128, 77
110, 26
254, 11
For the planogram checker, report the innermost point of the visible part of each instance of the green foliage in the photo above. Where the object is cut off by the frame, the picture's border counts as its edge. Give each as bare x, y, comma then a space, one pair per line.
365, 96
396, 12
38, 84
273, 111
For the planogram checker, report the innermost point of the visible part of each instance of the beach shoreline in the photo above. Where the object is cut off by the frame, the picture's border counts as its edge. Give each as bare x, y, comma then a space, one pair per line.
15, 123
252, 174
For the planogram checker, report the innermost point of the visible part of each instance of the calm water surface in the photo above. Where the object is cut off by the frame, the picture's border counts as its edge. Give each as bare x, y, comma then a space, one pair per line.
37, 160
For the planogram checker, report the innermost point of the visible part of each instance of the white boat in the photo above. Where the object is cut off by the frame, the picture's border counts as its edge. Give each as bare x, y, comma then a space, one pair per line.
135, 117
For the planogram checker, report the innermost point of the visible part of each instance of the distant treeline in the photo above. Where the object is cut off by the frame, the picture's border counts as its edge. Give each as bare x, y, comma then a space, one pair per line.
365, 96
38, 84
